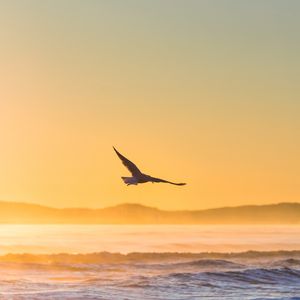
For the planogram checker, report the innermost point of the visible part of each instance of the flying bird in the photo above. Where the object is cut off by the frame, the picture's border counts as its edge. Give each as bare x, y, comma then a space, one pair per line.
137, 175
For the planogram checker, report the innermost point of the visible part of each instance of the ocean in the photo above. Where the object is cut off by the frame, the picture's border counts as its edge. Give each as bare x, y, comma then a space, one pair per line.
161, 262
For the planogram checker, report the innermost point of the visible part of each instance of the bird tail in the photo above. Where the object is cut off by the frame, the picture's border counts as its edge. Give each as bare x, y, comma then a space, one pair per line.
129, 180
175, 183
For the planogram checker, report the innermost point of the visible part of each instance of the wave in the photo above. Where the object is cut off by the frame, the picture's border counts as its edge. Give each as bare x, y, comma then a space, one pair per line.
153, 275
255, 278
209, 263
290, 262
285, 257
251, 276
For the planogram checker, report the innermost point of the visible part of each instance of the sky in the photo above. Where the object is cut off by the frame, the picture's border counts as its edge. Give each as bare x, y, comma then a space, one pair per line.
203, 92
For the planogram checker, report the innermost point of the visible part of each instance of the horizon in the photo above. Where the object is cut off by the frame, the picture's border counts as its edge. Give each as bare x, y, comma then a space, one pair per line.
147, 206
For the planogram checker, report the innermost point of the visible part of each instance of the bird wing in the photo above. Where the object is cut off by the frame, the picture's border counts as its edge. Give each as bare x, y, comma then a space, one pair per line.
133, 169
165, 181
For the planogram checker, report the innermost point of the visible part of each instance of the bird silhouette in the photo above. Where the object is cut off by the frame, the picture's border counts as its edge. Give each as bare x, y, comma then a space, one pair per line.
137, 175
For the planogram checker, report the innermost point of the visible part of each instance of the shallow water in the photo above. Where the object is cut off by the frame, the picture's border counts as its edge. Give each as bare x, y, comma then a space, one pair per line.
169, 262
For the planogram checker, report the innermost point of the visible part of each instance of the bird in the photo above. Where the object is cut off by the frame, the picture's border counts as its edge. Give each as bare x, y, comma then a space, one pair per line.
137, 175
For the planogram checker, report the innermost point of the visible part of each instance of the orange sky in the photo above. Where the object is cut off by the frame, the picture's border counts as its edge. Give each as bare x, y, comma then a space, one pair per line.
195, 93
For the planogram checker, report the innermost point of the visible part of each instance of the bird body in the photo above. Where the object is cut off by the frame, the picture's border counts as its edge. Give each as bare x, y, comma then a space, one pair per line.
137, 175
130, 180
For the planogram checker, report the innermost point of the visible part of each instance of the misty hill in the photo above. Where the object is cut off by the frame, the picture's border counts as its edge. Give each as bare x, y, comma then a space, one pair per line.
23, 213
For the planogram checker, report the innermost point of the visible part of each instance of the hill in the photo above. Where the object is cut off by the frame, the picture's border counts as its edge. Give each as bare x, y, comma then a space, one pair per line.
24, 213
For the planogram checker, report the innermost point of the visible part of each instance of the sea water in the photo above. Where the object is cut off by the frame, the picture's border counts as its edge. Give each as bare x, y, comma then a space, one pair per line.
149, 262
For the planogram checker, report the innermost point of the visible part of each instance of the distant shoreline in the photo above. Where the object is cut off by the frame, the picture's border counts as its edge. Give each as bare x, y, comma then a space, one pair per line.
136, 214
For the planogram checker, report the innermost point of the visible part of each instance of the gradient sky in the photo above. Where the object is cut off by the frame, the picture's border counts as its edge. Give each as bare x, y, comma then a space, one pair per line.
205, 92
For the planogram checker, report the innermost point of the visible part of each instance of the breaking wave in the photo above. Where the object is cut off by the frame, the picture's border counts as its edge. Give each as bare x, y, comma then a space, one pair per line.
285, 257
160, 276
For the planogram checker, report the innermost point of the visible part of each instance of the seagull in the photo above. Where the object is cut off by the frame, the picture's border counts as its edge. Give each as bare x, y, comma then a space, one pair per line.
137, 175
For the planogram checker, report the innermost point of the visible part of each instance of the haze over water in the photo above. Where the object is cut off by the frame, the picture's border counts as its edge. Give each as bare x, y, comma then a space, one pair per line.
147, 238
